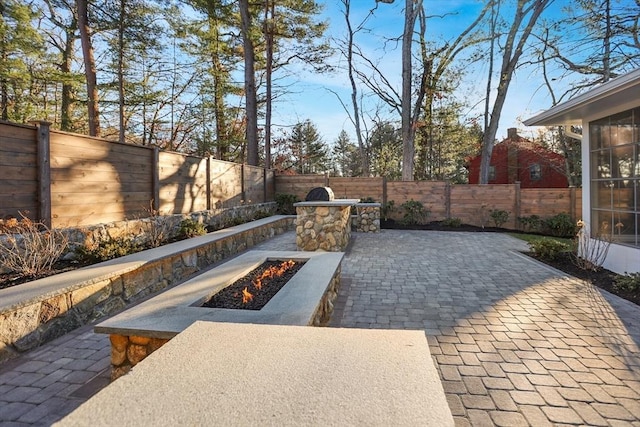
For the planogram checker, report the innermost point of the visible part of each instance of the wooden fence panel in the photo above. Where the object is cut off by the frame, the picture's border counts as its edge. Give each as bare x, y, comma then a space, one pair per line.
270, 184
183, 183
253, 184
545, 202
226, 183
473, 203
432, 194
96, 181
357, 188
299, 185
18, 171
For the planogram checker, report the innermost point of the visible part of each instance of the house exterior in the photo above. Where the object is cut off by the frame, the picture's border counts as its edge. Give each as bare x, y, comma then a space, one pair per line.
610, 118
518, 159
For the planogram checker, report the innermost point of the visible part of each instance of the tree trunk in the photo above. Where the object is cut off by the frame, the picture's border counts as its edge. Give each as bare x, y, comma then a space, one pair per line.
89, 68
511, 55
408, 148
249, 85
121, 98
269, 28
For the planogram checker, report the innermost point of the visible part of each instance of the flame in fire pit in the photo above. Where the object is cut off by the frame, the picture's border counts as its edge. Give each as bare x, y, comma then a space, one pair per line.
246, 296
270, 273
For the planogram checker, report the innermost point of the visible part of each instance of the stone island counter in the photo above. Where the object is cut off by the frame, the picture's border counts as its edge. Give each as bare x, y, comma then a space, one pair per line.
243, 374
324, 225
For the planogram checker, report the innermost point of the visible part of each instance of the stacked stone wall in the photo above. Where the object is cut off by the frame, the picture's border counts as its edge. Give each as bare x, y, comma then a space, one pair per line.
324, 228
27, 326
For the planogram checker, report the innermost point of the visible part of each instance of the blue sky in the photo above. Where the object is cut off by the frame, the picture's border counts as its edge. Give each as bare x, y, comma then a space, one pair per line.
313, 98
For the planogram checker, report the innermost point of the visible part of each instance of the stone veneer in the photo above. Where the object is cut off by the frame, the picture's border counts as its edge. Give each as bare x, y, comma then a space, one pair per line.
39, 311
324, 226
367, 219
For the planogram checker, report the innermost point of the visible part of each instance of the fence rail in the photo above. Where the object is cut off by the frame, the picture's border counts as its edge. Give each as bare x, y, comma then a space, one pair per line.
69, 180
470, 203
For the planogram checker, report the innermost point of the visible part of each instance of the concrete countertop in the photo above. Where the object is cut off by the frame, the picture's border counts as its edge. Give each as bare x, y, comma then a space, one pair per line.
334, 202
244, 374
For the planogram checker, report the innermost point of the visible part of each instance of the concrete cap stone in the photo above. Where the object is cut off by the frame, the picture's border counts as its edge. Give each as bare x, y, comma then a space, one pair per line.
245, 374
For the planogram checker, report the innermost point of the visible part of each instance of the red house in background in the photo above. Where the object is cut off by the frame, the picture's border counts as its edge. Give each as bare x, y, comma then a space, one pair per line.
518, 159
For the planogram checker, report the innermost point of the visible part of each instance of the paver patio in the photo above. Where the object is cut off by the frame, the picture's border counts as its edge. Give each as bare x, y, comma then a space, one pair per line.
515, 342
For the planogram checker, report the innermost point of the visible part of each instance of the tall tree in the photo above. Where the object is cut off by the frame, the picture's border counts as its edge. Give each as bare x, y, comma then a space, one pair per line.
250, 90
525, 16
345, 156
89, 67
386, 150
19, 43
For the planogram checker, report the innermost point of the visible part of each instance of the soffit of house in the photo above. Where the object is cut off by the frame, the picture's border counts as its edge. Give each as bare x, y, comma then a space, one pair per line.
619, 91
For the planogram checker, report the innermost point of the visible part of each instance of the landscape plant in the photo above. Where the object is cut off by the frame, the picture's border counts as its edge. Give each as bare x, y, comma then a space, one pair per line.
113, 247
285, 203
387, 209
548, 249
30, 248
414, 213
530, 223
499, 216
560, 225
591, 251
191, 228
629, 282
452, 222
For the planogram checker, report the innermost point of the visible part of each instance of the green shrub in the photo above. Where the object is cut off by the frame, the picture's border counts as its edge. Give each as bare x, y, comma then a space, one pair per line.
414, 212
368, 200
629, 282
387, 209
107, 249
499, 216
561, 225
548, 249
452, 222
191, 228
530, 223
285, 203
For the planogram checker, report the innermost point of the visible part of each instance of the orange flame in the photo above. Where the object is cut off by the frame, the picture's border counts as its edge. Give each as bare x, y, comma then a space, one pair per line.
270, 273
246, 296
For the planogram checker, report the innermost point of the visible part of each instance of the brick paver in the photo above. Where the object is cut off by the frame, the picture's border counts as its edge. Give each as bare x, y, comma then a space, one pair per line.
515, 342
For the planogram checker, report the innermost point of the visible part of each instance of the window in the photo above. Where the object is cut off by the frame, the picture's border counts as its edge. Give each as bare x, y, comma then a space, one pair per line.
615, 176
492, 173
535, 172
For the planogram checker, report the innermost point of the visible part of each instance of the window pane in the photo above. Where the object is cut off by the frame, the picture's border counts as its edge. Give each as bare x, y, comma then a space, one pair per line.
535, 172
601, 164
622, 194
622, 162
602, 195
624, 227
600, 223
622, 128
599, 132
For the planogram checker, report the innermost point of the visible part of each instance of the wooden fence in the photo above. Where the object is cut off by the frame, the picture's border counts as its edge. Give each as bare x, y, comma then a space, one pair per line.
471, 203
66, 180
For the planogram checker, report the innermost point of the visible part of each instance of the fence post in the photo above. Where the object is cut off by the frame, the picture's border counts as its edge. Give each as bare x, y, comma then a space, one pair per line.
208, 183
384, 191
264, 185
518, 204
447, 199
572, 203
44, 173
242, 183
155, 179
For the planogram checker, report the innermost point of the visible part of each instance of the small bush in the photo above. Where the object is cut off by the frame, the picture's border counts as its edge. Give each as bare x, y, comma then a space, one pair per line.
499, 216
561, 225
368, 200
548, 249
191, 228
285, 203
414, 212
628, 282
530, 223
108, 249
30, 248
452, 222
387, 209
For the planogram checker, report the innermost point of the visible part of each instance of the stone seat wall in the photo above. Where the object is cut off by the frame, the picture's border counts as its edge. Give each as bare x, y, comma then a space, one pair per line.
36, 312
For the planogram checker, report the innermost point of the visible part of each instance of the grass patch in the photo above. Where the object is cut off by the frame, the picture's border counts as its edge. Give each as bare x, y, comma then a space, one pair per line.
533, 237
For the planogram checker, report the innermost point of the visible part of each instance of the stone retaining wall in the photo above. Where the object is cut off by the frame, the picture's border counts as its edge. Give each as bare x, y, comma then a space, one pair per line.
28, 325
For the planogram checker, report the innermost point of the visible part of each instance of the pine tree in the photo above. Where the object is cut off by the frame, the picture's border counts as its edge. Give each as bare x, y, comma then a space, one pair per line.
345, 156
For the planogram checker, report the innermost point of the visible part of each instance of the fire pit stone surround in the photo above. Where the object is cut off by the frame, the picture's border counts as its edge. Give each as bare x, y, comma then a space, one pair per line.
306, 300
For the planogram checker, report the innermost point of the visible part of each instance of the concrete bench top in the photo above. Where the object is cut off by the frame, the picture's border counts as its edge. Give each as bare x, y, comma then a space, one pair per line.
28, 293
172, 311
243, 374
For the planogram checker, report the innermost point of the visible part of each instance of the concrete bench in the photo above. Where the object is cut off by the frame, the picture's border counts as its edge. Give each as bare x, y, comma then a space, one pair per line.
39, 311
244, 374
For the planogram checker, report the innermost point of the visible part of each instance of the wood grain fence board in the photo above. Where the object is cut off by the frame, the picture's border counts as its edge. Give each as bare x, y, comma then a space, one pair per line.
299, 185
18, 171
226, 183
357, 188
545, 202
254, 184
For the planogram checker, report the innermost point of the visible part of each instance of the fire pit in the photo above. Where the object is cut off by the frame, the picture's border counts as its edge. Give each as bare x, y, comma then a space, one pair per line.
305, 300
